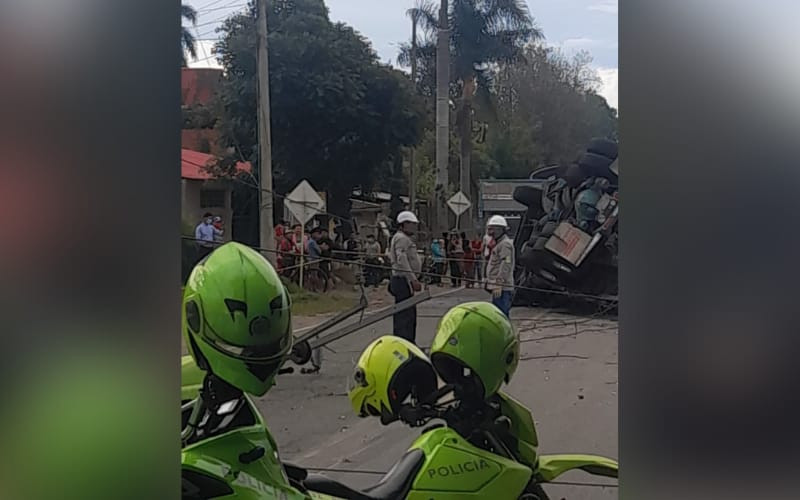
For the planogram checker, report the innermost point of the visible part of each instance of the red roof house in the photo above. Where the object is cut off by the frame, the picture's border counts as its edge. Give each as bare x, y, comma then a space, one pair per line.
194, 163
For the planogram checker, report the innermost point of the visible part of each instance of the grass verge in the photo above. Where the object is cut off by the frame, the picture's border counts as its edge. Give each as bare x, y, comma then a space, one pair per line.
305, 303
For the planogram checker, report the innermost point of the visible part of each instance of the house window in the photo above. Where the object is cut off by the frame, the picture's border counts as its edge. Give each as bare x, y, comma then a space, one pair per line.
212, 198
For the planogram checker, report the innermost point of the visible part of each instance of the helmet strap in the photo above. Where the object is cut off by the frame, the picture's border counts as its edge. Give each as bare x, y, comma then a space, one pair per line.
216, 392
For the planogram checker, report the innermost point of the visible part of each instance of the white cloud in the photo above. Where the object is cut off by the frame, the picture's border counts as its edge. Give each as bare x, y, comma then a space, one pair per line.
609, 86
585, 42
605, 6
579, 42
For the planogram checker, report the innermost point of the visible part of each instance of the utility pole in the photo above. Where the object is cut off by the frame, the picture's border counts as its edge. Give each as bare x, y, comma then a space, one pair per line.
265, 201
412, 169
442, 119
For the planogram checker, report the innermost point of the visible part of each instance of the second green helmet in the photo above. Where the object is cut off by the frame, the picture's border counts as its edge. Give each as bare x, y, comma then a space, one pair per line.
476, 348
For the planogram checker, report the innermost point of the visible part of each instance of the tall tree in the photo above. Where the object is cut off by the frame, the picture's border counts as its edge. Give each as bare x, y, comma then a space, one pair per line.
549, 109
338, 115
187, 39
483, 33
420, 9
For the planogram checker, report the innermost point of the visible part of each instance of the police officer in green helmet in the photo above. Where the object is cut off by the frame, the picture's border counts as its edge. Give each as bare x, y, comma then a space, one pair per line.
236, 318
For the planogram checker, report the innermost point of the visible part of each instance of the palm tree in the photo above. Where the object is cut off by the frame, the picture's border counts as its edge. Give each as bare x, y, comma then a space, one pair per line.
483, 33
416, 13
187, 39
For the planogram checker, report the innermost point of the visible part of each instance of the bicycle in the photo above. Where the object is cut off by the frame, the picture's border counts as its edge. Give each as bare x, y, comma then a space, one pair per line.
315, 279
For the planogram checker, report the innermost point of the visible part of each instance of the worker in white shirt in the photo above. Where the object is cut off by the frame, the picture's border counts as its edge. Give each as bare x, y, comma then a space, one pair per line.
406, 266
500, 269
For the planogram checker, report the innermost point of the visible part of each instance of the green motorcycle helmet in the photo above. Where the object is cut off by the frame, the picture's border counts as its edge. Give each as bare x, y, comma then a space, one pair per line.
236, 318
475, 349
389, 372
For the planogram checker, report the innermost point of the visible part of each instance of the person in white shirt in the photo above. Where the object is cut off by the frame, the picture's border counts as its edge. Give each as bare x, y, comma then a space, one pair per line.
206, 235
406, 266
500, 269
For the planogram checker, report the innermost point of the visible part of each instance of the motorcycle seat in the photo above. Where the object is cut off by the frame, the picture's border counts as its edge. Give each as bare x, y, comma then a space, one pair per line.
394, 485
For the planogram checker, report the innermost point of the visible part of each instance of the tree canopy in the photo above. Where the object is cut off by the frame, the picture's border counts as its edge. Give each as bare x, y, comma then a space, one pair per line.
338, 116
541, 107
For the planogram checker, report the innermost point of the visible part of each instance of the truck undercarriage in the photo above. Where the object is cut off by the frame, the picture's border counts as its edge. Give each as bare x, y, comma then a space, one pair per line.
567, 240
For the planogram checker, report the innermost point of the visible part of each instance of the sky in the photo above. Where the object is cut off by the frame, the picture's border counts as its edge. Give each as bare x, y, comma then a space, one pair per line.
572, 25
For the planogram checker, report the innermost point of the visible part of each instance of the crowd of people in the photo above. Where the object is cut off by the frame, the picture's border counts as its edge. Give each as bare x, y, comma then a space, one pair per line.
463, 257
457, 257
315, 246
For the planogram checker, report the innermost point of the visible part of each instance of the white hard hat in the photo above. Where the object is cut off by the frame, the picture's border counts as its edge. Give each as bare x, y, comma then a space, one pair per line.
407, 216
497, 220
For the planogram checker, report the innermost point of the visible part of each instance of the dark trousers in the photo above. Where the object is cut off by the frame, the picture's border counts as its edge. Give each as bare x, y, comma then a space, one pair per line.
371, 272
437, 269
455, 272
404, 322
203, 251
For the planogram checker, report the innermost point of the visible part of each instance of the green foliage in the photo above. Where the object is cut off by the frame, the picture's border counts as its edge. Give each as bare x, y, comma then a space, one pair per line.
198, 116
338, 114
483, 32
541, 107
549, 110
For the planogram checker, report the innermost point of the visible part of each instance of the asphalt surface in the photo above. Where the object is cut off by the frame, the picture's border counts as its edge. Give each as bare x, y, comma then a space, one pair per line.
567, 377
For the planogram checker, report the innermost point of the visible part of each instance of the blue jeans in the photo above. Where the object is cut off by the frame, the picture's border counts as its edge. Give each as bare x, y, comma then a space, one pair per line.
503, 302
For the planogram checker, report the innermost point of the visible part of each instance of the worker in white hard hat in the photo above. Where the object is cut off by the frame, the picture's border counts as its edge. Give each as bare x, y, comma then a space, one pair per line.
406, 267
500, 269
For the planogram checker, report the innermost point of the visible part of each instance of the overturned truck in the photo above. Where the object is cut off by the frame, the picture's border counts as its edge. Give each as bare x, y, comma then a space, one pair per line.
567, 240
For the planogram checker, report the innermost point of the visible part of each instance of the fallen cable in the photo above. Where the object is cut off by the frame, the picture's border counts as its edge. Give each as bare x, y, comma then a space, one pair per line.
464, 279
569, 356
573, 334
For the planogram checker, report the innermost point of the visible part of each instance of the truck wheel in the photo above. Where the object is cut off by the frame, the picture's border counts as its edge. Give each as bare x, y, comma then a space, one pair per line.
604, 147
594, 165
528, 196
527, 255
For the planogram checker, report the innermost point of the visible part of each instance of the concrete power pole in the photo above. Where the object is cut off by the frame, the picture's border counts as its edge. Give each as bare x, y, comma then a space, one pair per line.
442, 120
265, 200
412, 169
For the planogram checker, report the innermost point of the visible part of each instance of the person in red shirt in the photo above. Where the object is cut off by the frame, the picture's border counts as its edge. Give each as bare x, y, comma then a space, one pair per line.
477, 251
469, 262
283, 246
298, 236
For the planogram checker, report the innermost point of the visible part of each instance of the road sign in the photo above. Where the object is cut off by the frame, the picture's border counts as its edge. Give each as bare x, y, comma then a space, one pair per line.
304, 202
459, 203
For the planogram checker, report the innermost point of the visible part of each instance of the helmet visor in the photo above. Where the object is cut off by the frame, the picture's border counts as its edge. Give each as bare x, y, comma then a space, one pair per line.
268, 351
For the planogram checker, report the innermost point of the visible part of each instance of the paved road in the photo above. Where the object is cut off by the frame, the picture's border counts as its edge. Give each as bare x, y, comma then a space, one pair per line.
567, 376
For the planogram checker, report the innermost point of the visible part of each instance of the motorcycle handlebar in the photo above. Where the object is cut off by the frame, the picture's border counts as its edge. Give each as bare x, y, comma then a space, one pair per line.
419, 415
